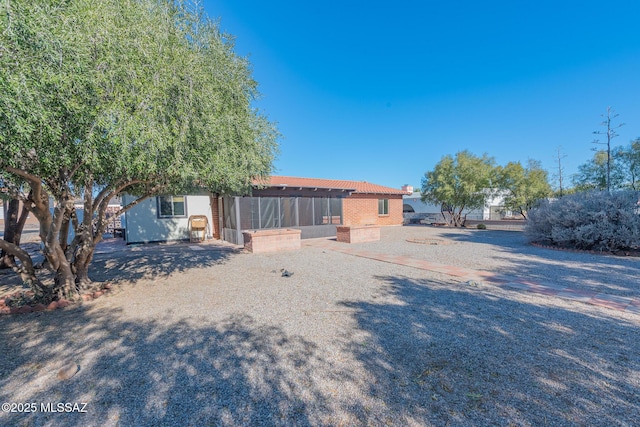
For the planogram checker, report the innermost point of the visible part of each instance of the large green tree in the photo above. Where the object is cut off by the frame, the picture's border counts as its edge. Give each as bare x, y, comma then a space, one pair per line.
624, 164
102, 97
523, 186
459, 183
629, 160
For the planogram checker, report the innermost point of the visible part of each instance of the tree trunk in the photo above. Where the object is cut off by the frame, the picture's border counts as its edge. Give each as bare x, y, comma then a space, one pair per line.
25, 269
82, 259
457, 220
454, 217
13, 225
64, 232
50, 225
65, 286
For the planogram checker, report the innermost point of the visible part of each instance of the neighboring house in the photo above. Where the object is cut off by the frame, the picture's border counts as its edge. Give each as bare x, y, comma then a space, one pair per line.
414, 209
115, 225
315, 206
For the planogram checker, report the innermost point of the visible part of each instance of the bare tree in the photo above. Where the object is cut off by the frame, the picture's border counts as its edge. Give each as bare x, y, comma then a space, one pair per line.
560, 170
611, 133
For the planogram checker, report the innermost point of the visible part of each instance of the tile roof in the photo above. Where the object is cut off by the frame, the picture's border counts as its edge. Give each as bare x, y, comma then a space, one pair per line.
334, 184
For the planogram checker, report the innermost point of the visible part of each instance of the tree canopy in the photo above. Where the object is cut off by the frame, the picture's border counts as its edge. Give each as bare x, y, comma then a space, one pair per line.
106, 96
625, 169
523, 187
459, 183
629, 160
592, 175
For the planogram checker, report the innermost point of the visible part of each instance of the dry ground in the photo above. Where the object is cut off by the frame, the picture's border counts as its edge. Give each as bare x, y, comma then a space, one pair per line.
219, 337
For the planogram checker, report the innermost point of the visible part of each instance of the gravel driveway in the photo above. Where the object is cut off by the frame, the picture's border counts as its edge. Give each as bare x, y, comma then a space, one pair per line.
218, 337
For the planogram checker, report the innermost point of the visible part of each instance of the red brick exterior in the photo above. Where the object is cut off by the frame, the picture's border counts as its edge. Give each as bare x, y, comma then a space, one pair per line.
357, 209
362, 209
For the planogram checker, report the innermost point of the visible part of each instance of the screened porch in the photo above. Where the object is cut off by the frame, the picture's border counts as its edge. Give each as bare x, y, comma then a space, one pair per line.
314, 216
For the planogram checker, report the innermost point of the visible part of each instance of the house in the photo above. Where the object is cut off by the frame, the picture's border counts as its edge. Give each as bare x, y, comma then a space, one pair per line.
415, 210
314, 206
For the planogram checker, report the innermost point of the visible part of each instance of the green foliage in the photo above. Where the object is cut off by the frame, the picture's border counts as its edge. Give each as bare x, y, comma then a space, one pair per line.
593, 174
107, 96
464, 182
625, 169
481, 227
522, 186
629, 160
459, 183
117, 90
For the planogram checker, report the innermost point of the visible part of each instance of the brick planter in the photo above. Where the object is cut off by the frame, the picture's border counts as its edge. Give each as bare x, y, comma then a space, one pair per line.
358, 233
259, 241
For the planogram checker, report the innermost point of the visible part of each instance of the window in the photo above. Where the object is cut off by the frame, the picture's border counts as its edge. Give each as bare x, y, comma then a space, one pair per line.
383, 206
171, 207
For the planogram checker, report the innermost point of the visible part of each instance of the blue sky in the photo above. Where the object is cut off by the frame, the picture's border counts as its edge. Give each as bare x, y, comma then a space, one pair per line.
380, 91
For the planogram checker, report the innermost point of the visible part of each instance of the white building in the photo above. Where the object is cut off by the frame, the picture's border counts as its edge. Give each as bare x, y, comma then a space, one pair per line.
414, 209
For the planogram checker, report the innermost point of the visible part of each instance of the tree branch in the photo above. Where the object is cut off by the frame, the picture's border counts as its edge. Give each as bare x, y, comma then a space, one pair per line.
26, 270
105, 203
24, 174
36, 187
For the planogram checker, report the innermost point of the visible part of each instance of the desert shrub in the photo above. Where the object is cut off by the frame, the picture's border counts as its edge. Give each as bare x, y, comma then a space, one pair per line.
588, 220
482, 227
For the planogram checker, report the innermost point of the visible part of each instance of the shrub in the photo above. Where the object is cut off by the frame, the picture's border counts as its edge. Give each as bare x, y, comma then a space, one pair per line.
588, 220
482, 227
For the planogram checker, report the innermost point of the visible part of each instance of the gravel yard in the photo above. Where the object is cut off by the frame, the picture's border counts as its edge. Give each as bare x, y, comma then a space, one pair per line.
219, 337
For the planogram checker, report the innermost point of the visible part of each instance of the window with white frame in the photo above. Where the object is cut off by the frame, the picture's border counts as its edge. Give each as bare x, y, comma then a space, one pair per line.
383, 206
171, 207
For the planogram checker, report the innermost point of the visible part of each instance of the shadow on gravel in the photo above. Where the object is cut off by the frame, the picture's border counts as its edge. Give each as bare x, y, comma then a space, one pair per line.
509, 240
235, 372
461, 356
597, 273
150, 261
141, 262
616, 275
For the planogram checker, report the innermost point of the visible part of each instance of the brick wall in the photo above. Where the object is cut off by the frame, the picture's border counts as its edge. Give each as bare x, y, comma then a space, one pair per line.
357, 233
357, 209
362, 209
272, 240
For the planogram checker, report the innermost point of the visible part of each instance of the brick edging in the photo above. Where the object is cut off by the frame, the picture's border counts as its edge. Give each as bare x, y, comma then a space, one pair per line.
54, 305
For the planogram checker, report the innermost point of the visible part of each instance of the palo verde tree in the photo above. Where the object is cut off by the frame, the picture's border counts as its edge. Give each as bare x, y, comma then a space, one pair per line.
521, 186
102, 97
459, 183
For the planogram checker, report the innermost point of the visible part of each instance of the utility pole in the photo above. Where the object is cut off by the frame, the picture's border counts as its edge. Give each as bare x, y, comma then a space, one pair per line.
560, 169
611, 133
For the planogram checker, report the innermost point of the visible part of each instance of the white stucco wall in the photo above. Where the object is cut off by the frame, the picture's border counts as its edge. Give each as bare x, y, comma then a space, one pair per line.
421, 207
143, 224
492, 201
